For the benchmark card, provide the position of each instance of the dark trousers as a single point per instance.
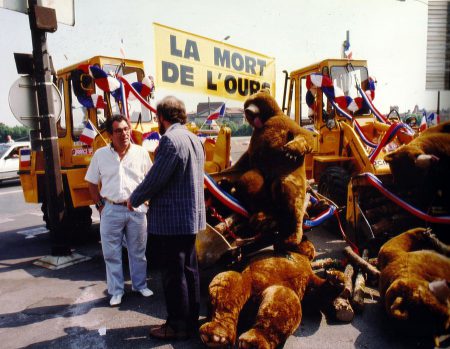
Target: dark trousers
(180, 277)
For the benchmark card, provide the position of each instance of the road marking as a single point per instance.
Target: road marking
(4, 220)
(32, 233)
(11, 192)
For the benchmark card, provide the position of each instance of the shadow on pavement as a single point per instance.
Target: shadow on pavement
(130, 337)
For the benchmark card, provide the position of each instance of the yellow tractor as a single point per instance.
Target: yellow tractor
(334, 100)
(83, 101)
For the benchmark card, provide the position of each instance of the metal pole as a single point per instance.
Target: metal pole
(438, 103)
(54, 195)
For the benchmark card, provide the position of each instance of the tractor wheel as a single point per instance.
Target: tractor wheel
(333, 184)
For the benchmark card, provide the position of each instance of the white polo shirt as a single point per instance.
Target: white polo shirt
(119, 178)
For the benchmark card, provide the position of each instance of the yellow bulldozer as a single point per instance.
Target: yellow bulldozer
(84, 101)
(334, 100)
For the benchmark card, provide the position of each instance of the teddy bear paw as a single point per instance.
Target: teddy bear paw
(296, 149)
(214, 335)
(253, 339)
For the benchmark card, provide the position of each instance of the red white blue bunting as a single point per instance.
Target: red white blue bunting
(119, 88)
(335, 94)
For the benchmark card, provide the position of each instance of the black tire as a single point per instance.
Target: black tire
(333, 184)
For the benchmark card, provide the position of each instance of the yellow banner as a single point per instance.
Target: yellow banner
(197, 64)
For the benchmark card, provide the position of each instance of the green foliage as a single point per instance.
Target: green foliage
(239, 130)
(18, 133)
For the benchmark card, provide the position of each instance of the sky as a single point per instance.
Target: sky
(390, 34)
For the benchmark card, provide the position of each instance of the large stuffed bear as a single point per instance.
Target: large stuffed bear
(414, 283)
(423, 166)
(277, 283)
(273, 181)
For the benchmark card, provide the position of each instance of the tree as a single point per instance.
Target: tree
(18, 133)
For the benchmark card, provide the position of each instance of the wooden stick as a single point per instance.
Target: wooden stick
(360, 284)
(373, 272)
(343, 309)
(325, 263)
(348, 288)
(358, 294)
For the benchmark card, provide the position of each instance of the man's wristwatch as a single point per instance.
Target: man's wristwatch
(100, 203)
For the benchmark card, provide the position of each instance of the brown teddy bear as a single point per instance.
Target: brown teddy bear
(273, 181)
(277, 283)
(414, 282)
(423, 166)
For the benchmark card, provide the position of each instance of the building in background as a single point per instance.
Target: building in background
(233, 114)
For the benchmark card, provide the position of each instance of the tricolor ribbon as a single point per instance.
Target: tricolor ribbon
(225, 198)
(128, 88)
(387, 138)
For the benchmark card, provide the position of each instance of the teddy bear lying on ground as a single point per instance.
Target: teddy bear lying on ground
(414, 282)
(277, 283)
(273, 181)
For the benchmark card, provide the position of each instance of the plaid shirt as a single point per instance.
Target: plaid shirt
(174, 185)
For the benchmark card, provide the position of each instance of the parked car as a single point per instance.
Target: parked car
(9, 159)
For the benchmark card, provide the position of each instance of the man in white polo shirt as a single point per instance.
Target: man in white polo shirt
(119, 168)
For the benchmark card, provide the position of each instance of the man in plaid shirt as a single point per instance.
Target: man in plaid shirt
(174, 188)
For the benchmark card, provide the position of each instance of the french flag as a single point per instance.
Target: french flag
(219, 112)
(433, 119)
(423, 124)
(25, 157)
(88, 134)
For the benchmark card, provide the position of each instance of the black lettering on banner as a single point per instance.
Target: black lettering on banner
(237, 61)
(262, 65)
(230, 84)
(187, 77)
(191, 50)
(209, 78)
(173, 47)
(169, 72)
(250, 64)
(254, 86)
(243, 86)
(221, 59)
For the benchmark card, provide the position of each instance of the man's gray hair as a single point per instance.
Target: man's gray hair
(172, 110)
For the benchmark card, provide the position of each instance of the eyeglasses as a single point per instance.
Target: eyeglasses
(119, 131)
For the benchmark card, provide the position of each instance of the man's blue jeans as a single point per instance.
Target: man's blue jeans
(116, 222)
